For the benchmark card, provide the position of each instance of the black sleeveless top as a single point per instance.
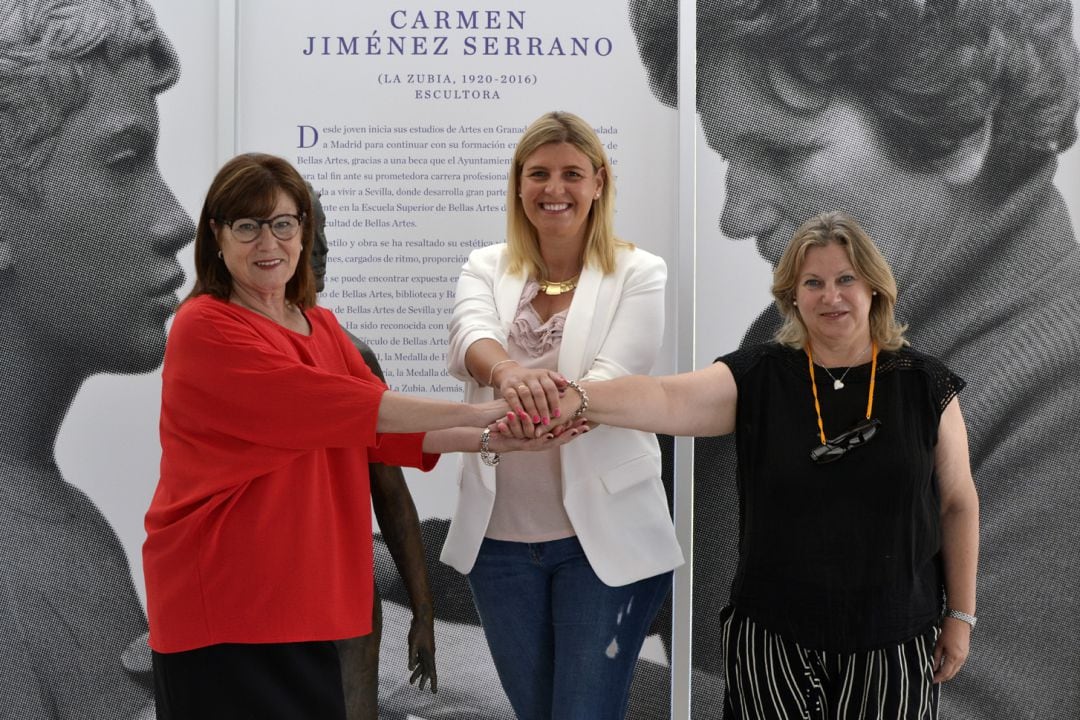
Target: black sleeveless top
(844, 556)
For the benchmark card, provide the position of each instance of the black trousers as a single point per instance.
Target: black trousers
(286, 681)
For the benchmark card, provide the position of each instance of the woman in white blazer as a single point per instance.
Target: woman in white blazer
(569, 553)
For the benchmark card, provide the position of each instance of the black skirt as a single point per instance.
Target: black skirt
(290, 681)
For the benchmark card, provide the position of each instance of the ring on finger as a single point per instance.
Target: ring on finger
(523, 388)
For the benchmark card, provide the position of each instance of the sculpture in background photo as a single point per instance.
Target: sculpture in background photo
(399, 532)
(938, 126)
(88, 275)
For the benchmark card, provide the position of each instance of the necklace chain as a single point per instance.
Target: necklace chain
(838, 382)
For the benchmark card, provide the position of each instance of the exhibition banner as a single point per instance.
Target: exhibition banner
(404, 118)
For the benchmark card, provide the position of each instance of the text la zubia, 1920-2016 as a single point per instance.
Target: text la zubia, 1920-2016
(439, 79)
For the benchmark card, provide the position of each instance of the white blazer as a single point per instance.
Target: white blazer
(612, 489)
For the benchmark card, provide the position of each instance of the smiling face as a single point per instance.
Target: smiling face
(832, 299)
(786, 164)
(94, 268)
(558, 187)
(261, 267)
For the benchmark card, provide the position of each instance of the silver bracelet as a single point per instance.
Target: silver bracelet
(584, 400)
(491, 459)
(962, 616)
(491, 372)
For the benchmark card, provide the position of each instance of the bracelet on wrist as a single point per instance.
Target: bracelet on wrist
(491, 459)
(962, 617)
(491, 372)
(584, 399)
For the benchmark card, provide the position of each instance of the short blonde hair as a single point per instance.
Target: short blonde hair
(842, 229)
(522, 240)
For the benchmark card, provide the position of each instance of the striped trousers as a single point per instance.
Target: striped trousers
(769, 678)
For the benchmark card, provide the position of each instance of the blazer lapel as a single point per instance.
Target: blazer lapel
(579, 320)
(507, 293)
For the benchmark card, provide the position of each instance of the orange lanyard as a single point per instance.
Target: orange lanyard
(813, 384)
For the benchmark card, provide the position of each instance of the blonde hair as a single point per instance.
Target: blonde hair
(523, 243)
(842, 229)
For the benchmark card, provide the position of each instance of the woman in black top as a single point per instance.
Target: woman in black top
(855, 590)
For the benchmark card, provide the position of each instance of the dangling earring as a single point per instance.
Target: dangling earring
(220, 255)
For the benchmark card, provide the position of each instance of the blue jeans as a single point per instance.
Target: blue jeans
(564, 643)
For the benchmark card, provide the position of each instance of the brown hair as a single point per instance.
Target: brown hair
(521, 238)
(247, 186)
(868, 262)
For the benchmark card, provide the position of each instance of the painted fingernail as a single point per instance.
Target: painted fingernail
(558, 413)
(547, 421)
(524, 415)
(510, 415)
(536, 419)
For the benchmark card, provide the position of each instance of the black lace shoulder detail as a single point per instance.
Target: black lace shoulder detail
(944, 383)
(741, 361)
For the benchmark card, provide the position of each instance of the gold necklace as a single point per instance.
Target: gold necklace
(549, 287)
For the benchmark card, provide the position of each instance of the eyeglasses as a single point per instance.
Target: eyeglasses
(283, 227)
(836, 448)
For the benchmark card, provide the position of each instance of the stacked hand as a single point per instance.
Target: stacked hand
(541, 405)
(531, 393)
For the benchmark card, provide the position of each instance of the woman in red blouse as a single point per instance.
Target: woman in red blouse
(258, 552)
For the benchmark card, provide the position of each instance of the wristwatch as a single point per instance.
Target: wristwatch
(962, 616)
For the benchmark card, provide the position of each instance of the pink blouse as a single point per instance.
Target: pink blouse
(529, 489)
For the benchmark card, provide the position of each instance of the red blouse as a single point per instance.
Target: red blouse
(260, 527)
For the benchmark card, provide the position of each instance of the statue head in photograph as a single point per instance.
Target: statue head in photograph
(321, 248)
(89, 233)
(91, 230)
(897, 111)
(938, 125)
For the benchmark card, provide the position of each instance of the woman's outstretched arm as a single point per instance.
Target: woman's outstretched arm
(699, 403)
(401, 413)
